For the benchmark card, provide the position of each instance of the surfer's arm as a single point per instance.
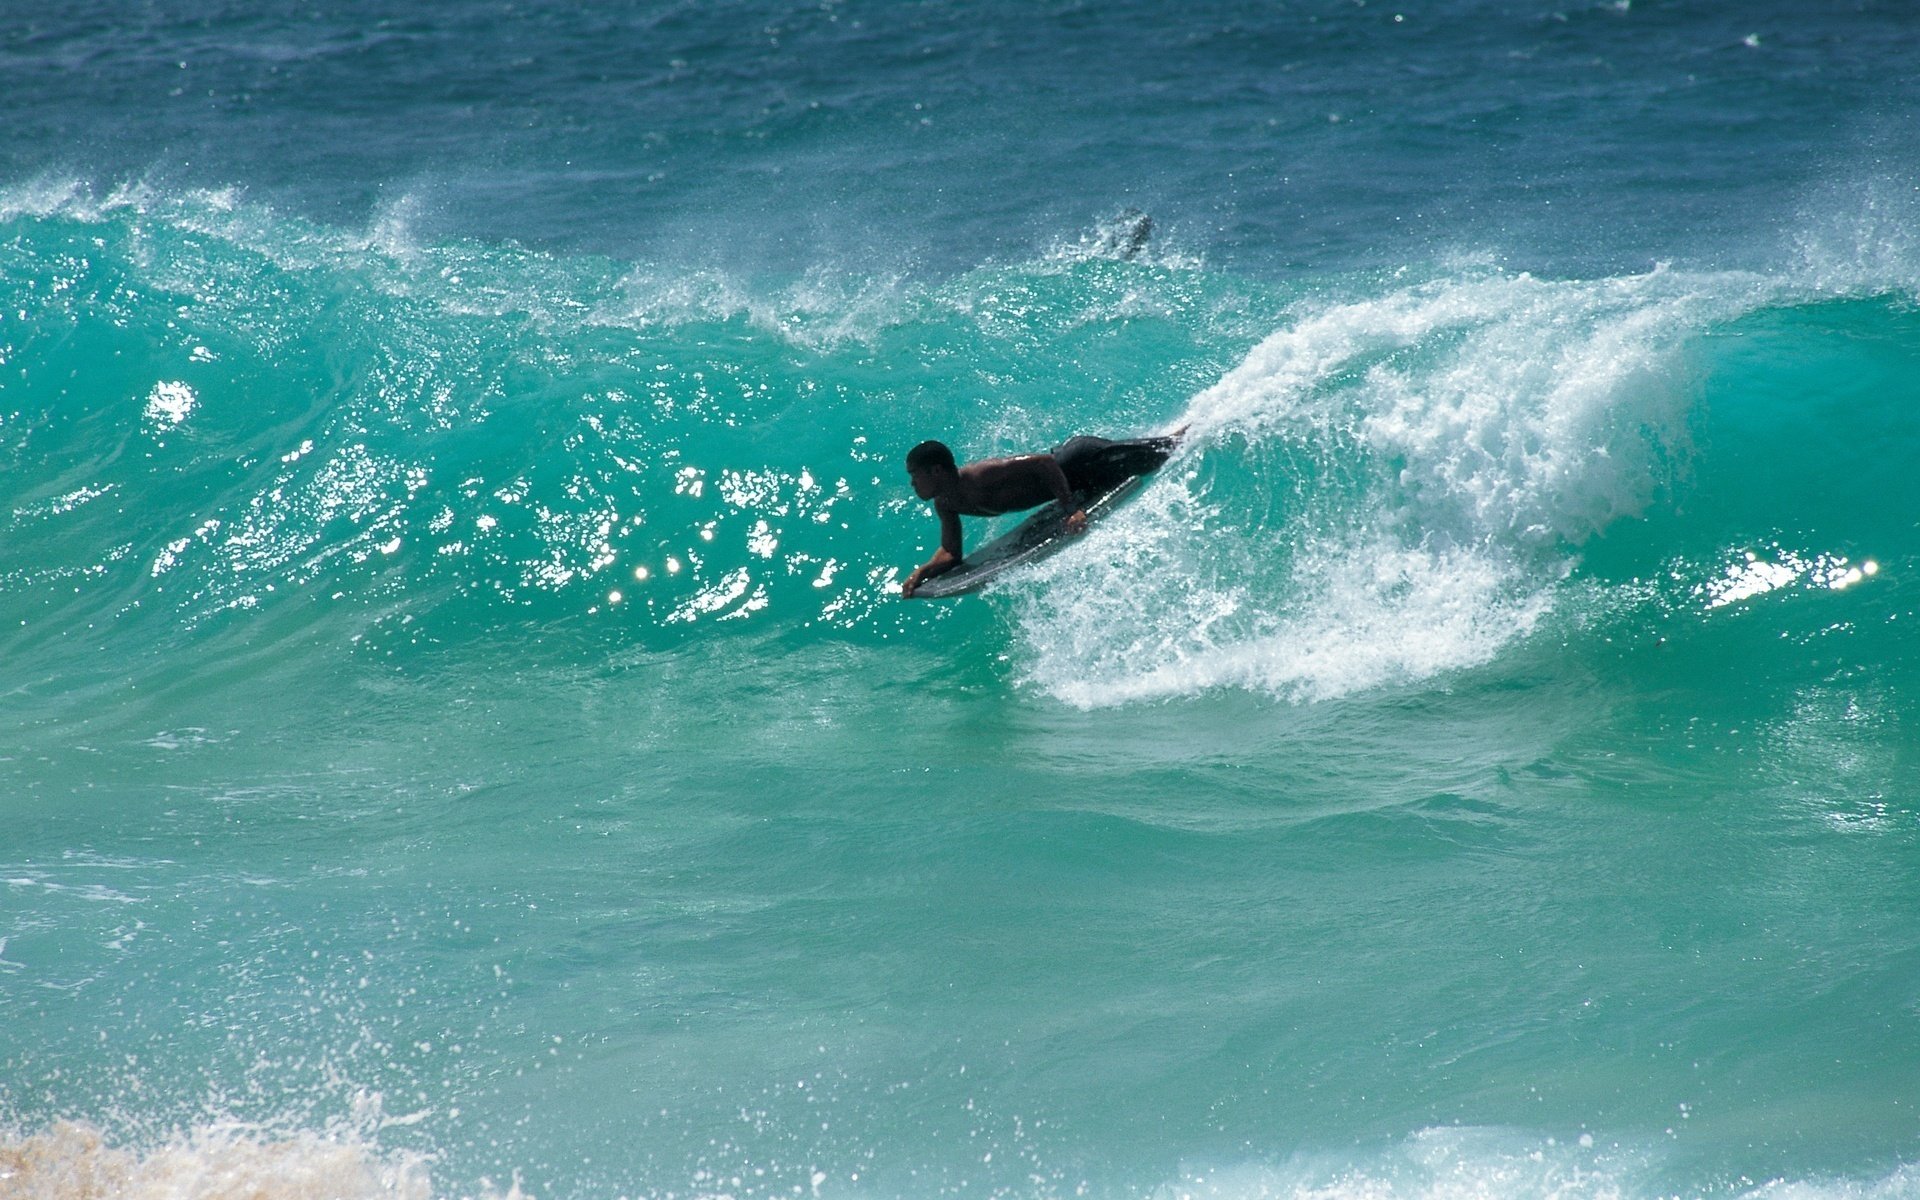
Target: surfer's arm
(1063, 492)
(945, 559)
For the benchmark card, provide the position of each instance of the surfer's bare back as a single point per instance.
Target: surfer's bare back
(981, 489)
(994, 486)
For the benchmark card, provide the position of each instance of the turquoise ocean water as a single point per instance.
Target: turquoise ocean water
(459, 733)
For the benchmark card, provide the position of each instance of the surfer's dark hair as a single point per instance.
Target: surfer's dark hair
(930, 454)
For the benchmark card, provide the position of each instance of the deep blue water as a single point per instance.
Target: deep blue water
(459, 730)
(1275, 138)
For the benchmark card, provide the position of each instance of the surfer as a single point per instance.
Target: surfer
(1079, 466)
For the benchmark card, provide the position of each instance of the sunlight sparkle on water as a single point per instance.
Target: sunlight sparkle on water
(1756, 576)
(170, 403)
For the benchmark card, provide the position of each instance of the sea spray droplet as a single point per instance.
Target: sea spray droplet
(169, 403)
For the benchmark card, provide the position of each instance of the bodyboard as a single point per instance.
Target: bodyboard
(1039, 536)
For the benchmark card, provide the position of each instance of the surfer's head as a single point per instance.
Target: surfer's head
(931, 466)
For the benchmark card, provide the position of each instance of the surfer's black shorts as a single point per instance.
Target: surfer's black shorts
(1094, 464)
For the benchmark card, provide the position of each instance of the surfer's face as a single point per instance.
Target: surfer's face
(929, 482)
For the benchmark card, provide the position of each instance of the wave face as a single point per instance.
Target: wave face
(221, 411)
(391, 448)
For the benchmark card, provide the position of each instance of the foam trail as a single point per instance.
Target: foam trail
(1454, 1163)
(1491, 1163)
(1386, 489)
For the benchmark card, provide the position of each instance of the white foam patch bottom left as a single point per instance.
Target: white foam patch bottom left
(72, 1160)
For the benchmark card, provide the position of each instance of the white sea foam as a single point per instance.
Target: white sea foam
(1452, 1163)
(1385, 489)
(41, 197)
(72, 1160)
(1861, 236)
(1490, 1163)
(75, 1161)
(223, 1158)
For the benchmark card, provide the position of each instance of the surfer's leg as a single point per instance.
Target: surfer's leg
(1076, 448)
(1150, 453)
(1080, 459)
(1094, 464)
(1141, 456)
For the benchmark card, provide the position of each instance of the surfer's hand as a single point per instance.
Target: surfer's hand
(1077, 523)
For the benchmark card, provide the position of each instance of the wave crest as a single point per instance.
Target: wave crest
(1386, 488)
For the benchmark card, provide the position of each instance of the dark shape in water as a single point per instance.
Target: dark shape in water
(1125, 236)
